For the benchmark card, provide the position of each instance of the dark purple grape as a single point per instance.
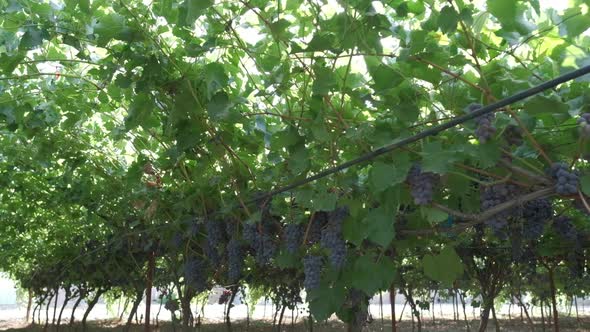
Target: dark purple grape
(421, 184)
(195, 274)
(564, 227)
(513, 135)
(567, 181)
(266, 249)
(293, 235)
(235, 260)
(536, 214)
(495, 195)
(319, 220)
(312, 268)
(333, 240)
(485, 129)
(250, 233)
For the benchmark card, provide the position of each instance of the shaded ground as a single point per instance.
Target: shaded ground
(566, 325)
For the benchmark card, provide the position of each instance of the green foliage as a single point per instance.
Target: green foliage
(125, 126)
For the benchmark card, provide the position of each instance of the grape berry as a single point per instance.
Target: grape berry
(312, 268)
(421, 184)
(485, 129)
(567, 181)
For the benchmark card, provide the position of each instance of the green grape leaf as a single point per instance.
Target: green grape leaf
(215, 78)
(219, 107)
(326, 300)
(437, 160)
(380, 225)
(448, 19)
(370, 275)
(445, 267)
(196, 8)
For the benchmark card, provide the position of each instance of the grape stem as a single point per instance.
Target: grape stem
(584, 202)
(524, 172)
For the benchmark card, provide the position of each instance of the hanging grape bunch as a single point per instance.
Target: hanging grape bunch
(421, 184)
(584, 123)
(332, 238)
(262, 242)
(495, 195)
(177, 241)
(564, 227)
(215, 238)
(513, 135)
(535, 214)
(235, 259)
(195, 273)
(312, 269)
(293, 235)
(318, 222)
(567, 181)
(485, 129)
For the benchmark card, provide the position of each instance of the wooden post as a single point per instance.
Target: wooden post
(553, 299)
(148, 290)
(30, 303)
(392, 302)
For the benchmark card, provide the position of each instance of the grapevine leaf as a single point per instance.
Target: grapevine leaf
(437, 160)
(381, 176)
(195, 8)
(326, 300)
(444, 267)
(434, 215)
(380, 226)
(370, 275)
(215, 78)
(219, 107)
(448, 19)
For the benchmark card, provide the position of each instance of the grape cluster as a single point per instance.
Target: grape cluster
(513, 135)
(318, 222)
(235, 260)
(194, 229)
(485, 129)
(312, 268)
(265, 249)
(214, 231)
(421, 184)
(195, 274)
(535, 214)
(250, 233)
(262, 243)
(212, 253)
(332, 237)
(495, 195)
(177, 240)
(567, 181)
(293, 234)
(584, 122)
(575, 262)
(215, 237)
(564, 227)
(230, 227)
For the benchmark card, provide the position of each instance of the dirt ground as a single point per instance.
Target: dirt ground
(566, 325)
